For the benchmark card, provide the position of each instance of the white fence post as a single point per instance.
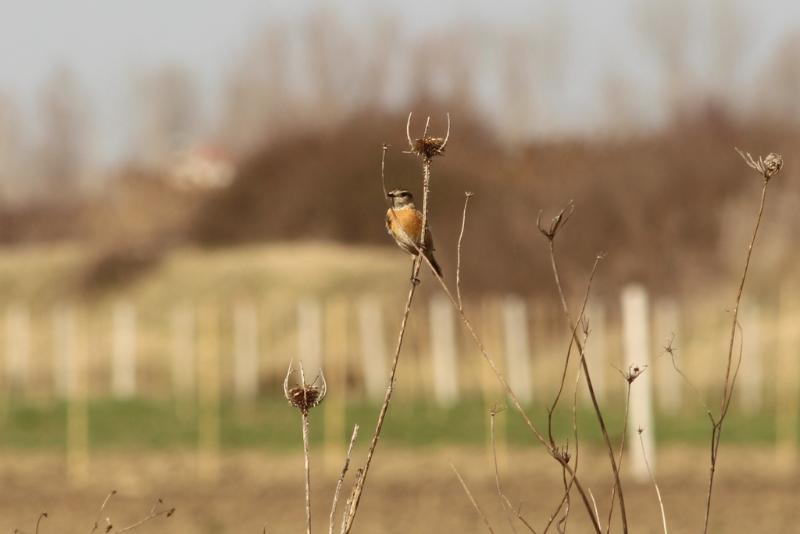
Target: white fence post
(517, 345)
(309, 335)
(373, 347)
(443, 345)
(184, 365)
(63, 342)
(123, 368)
(636, 333)
(17, 346)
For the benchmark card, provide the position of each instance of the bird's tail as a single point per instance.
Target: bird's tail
(435, 265)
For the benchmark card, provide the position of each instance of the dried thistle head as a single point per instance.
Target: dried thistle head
(305, 396)
(427, 147)
(768, 167)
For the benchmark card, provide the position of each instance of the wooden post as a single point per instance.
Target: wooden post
(17, 347)
(443, 345)
(184, 366)
(517, 345)
(373, 347)
(246, 372)
(208, 392)
(77, 406)
(123, 367)
(63, 341)
(636, 334)
(668, 331)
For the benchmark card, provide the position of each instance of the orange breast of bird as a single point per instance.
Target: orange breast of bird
(411, 221)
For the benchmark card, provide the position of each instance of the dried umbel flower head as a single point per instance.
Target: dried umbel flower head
(768, 167)
(634, 371)
(305, 396)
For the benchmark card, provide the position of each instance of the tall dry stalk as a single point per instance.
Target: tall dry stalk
(767, 168)
(427, 148)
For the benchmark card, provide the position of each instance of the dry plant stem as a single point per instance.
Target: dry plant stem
(650, 472)
(518, 515)
(349, 504)
(341, 478)
(621, 452)
(551, 450)
(494, 412)
(730, 379)
(100, 513)
(568, 487)
(308, 471)
(153, 514)
(43, 514)
(592, 394)
(458, 255)
(573, 338)
(304, 415)
(472, 499)
(355, 496)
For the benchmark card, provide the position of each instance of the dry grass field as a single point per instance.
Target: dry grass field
(408, 491)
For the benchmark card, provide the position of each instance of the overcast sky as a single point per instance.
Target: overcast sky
(106, 41)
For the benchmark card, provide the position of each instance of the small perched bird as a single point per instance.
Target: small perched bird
(403, 215)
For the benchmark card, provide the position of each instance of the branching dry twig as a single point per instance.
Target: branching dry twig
(153, 515)
(767, 167)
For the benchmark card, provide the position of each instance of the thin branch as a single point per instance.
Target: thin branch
(153, 514)
(658, 492)
(768, 168)
(472, 499)
(341, 479)
(550, 449)
(458, 256)
(494, 411)
(99, 514)
(43, 514)
(517, 514)
(555, 226)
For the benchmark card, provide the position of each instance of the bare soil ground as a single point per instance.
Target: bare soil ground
(407, 491)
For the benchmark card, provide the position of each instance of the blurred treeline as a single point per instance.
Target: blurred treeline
(305, 109)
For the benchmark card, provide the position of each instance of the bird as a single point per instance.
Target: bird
(404, 224)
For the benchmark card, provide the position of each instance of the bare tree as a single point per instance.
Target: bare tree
(258, 94)
(666, 29)
(168, 101)
(64, 149)
(11, 182)
(778, 99)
